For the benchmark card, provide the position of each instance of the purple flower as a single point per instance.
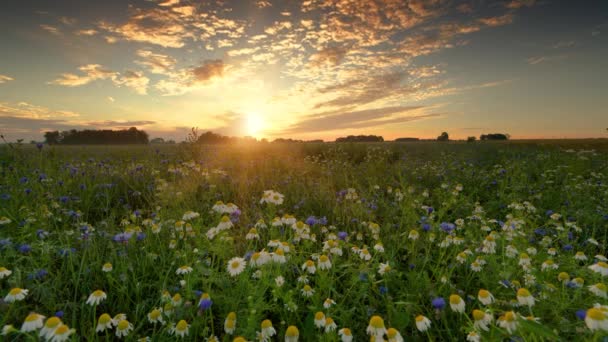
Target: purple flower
(581, 314)
(311, 221)
(447, 227)
(205, 304)
(342, 235)
(25, 248)
(59, 314)
(438, 303)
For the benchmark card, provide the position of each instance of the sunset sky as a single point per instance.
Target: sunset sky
(306, 69)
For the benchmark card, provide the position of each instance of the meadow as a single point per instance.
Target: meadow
(309, 242)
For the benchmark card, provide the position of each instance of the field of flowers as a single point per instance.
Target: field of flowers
(305, 242)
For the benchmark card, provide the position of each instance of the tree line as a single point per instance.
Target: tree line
(97, 137)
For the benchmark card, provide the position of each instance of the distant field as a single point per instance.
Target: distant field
(407, 232)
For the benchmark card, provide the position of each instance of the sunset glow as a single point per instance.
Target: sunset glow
(305, 69)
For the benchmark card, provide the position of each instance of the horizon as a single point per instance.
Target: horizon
(305, 70)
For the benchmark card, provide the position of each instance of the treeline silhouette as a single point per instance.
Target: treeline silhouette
(360, 138)
(97, 137)
(494, 136)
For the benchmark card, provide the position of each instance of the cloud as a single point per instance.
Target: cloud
(87, 32)
(135, 80)
(208, 70)
(112, 123)
(167, 3)
(29, 111)
(263, 3)
(359, 119)
(515, 4)
(51, 29)
(544, 59)
(91, 72)
(497, 21)
(564, 44)
(363, 91)
(110, 99)
(155, 62)
(331, 55)
(4, 78)
(132, 79)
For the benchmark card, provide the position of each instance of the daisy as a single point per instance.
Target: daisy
(49, 326)
(600, 267)
(482, 320)
(364, 254)
(485, 297)
(330, 325)
(549, 265)
(32, 322)
(394, 335)
(473, 337)
(279, 281)
(96, 297)
(324, 262)
(413, 235)
(189, 215)
(456, 303)
(230, 323)
(279, 256)
(383, 268)
(7, 329)
(328, 303)
(236, 265)
(563, 277)
(176, 300)
(183, 270)
(599, 290)
(309, 266)
(15, 294)
(267, 329)
(62, 333)
(155, 316)
(118, 318)
(292, 334)
(307, 291)
(123, 328)
(107, 267)
(345, 334)
(379, 247)
(524, 297)
(4, 272)
(320, 320)
(104, 322)
(476, 266)
(376, 327)
(252, 235)
(422, 323)
(239, 339)
(180, 329)
(508, 321)
(596, 318)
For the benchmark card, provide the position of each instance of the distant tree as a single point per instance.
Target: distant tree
(407, 139)
(360, 138)
(443, 137)
(52, 138)
(157, 141)
(471, 139)
(494, 136)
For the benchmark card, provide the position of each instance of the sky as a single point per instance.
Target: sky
(305, 69)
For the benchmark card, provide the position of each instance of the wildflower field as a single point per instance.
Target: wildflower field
(305, 242)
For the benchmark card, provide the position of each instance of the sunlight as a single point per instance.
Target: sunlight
(254, 124)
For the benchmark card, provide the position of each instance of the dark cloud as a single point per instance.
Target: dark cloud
(208, 70)
(363, 91)
(332, 55)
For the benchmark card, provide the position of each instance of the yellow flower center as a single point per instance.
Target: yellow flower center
(323, 258)
(523, 292)
(455, 299)
(235, 264)
(478, 315)
(391, 332)
(596, 314)
(292, 331)
(600, 286)
(419, 318)
(104, 319)
(225, 218)
(376, 322)
(62, 329)
(232, 316)
(509, 316)
(484, 293)
(98, 293)
(602, 264)
(239, 339)
(307, 288)
(319, 316)
(181, 325)
(155, 314)
(266, 324)
(31, 317)
(329, 321)
(15, 291)
(309, 263)
(279, 252)
(52, 322)
(122, 325)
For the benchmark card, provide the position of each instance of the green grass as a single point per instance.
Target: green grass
(82, 196)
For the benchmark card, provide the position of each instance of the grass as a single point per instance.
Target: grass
(65, 206)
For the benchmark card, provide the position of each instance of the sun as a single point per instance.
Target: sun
(254, 124)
